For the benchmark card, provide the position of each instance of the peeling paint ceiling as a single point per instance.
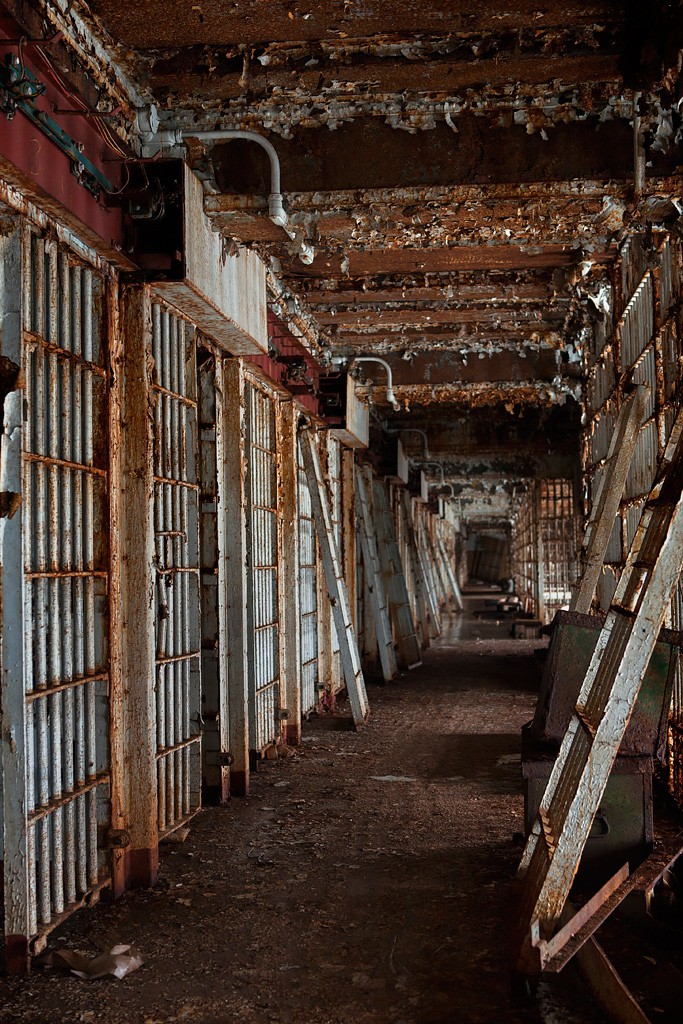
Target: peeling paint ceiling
(466, 173)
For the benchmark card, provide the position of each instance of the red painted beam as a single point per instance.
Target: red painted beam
(28, 156)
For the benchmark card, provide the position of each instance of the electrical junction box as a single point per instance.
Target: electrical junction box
(172, 241)
(395, 463)
(346, 415)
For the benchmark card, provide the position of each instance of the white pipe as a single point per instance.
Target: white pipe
(412, 430)
(443, 482)
(390, 380)
(276, 209)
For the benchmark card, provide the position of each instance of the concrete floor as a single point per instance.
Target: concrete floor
(335, 895)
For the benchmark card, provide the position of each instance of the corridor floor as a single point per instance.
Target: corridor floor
(367, 879)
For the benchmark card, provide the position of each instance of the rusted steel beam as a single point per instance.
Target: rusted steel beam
(362, 321)
(527, 393)
(465, 199)
(388, 76)
(450, 369)
(441, 260)
(335, 292)
(152, 27)
(134, 457)
(369, 154)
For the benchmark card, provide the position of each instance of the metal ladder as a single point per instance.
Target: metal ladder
(336, 588)
(427, 612)
(604, 707)
(608, 495)
(441, 593)
(378, 601)
(450, 574)
(392, 571)
(429, 575)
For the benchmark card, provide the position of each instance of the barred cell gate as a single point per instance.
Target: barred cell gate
(176, 527)
(334, 480)
(308, 591)
(263, 620)
(55, 601)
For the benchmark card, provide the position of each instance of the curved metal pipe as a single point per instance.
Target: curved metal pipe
(276, 209)
(443, 482)
(391, 397)
(411, 430)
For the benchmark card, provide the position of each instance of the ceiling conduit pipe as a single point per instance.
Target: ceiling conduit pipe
(412, 430)
(276, 209)
(443, 482)
(391, 397)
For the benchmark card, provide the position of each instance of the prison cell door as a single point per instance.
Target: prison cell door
(56, 685)
(308, 591)
(334, 483)
(176, 529)
(262, 575)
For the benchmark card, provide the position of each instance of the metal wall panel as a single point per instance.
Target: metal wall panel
(66, 577)
(262, 577)
(308, 591)
(176, 527)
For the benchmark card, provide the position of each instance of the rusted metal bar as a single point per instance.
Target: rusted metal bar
(578, 928)
(35, 341)
(71, 684)
(136, 467)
